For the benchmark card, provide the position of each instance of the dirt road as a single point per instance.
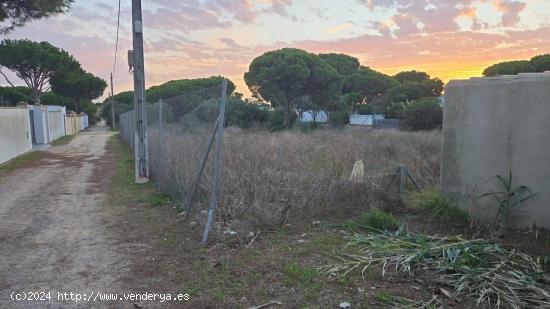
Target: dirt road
(53, 235)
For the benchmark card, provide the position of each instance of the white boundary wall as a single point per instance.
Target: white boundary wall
(56, 122)
(364, 120)
(15, 133)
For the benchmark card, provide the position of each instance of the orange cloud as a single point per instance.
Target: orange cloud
(510, 10)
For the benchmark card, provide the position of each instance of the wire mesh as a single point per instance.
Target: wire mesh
(181, 132)
(269, 179)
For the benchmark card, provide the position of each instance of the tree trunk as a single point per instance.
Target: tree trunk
(286, 113)
(314, 115)
(35, 96)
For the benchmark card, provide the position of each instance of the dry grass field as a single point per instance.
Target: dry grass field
(290, 201)
(270, 179)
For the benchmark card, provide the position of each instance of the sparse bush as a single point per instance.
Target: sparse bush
(433, 203)
(377, 219)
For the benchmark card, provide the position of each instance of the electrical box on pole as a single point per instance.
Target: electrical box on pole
(140, 114)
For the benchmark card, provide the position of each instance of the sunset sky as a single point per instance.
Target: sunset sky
(448, 39)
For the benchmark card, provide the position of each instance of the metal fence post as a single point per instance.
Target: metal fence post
(203, 164)
(401, 179)
(217, 164)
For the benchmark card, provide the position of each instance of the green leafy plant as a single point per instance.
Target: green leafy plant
(509, 199)
(433, 203)
(377, 219)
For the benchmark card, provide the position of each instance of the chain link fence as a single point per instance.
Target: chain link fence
(184, 144)
(262, 180)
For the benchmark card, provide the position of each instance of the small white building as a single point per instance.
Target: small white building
(321, 117)
(364, 120)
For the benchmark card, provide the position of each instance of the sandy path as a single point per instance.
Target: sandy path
(53, 234)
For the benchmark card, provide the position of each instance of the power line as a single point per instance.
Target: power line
(117, 32)
(113, 119)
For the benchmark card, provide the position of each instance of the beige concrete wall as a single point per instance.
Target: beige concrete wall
(72, 123)
(15, 133)
(490, 124)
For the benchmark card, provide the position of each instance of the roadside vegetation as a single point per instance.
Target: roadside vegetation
(371, 250)
(20, 161)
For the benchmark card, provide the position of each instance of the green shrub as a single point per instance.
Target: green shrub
(433, 203)
(244, 115)
(424, 114)
(339, 118)
(377, 219)
(305, 126)
(275, 120)
(90, 109)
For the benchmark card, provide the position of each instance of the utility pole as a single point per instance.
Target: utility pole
(113, 119)
(140, 116)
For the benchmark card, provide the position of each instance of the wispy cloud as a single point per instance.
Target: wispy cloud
(339, 28)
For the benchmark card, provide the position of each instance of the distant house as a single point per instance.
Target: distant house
(321, 117)
(364, 120)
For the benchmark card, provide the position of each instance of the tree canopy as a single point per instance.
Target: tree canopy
(412, 76)
(344, 64)
(538, 63)
(125, 97)
(286, 76)
(177, 87)
(362, 86)
(509, 68)
(78, 85)
(125, 100)
(35, 63)
(541, 62)
(13, 95)
(414, 85)
(52, 98)
(15, 13)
